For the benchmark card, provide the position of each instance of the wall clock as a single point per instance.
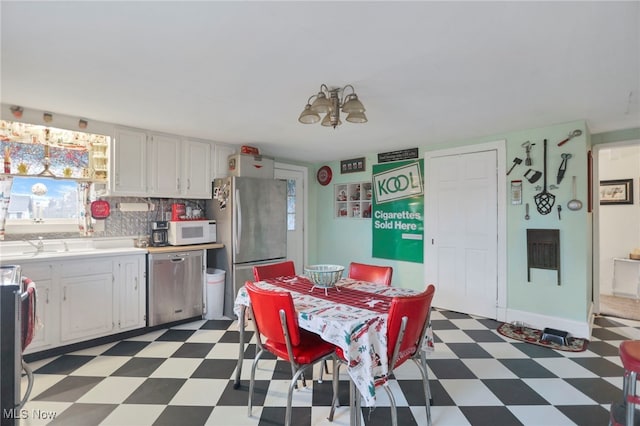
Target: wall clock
(324, 175)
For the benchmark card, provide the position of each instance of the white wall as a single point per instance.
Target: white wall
(619, 224)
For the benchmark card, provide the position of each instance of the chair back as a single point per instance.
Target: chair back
(406, 325)
(371, 273)
(282, 269)
(266, 306)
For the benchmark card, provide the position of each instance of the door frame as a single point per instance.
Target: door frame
(595, 211)
(305, 216)
(500, 147)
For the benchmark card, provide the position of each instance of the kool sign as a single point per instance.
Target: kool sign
(398, 210)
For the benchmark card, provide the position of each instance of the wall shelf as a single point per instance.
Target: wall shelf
(352, 200)
(75, 179)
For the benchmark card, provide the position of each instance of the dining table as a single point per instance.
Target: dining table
(351, 315)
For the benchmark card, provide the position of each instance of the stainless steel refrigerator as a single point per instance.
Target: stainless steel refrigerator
(251, 222)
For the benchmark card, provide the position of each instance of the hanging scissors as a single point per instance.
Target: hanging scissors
(563, 167)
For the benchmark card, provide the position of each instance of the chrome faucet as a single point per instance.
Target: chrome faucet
(39, 246)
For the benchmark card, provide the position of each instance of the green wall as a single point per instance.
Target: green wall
(340, 241)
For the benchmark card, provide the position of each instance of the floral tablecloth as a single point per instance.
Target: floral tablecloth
(352, 316)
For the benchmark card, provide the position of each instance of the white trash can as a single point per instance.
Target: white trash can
(215, 293)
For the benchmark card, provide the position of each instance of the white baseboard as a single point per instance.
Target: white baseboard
(539, 321)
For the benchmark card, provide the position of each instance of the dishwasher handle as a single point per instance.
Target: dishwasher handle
(177, 259)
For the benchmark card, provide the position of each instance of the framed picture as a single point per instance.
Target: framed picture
(616, 191)
(353, 165)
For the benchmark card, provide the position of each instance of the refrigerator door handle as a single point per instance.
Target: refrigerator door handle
(237, 209)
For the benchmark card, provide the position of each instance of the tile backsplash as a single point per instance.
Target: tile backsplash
(125, 224)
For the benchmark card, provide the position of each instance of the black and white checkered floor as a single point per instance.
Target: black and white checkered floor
(184, 376)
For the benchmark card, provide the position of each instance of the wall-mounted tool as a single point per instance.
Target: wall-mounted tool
(544, 200)
(563, 167)
(572, 135)
(574, 204)
(527, 149)
(516, 161)
(559, 210)
(533, 175)
(526, 210)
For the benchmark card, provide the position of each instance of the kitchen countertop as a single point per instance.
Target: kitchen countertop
(69, 249)
(169, 249)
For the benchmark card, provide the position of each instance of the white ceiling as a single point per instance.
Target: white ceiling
(241, 72)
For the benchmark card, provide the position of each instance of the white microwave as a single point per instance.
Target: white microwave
(182, 233)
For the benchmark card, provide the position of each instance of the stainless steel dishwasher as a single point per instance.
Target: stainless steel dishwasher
(175, 286)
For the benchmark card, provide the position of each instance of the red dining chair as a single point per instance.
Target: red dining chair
(282, 269)
(406, 330)
(276, 320)
(372, 273)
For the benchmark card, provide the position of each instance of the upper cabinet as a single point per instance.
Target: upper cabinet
(163, 153)
(196, 167)
(129, 165)
(220, 163)
(160, 165)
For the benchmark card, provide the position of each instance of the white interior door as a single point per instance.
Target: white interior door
(461, 232)
(296, 203)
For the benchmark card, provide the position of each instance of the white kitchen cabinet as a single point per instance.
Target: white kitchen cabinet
(132, 292)
(196, 167)
(47, 305)
(79, 300)
(86, 299)
(129, 165)
(159, 165)
(220, 160)
(163, 152)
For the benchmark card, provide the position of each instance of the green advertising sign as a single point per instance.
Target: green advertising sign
(398, 211)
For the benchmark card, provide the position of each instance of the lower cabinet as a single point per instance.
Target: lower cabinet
(79, 300)
(46, 305)
(132, 293)
(87, 300)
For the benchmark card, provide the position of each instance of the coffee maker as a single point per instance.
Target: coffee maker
(160, 233)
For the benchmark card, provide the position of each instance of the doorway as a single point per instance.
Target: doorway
(465, 228)
(296, 211)
(617, 233)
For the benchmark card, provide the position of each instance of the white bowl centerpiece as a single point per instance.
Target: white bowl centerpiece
(324, 276)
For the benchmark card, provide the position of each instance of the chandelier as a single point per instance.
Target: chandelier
(330, 102)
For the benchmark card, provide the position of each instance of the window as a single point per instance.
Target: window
(41, 198)
(48, 165)
(291, 204)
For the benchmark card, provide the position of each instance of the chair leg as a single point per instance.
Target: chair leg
(323, 370)
(630, 393)
(422, 366)
(292, 385)
(394, 411)
(252, 380)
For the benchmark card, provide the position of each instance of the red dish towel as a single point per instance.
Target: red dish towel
(28, 312)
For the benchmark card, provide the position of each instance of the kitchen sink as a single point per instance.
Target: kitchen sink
(14, 251)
